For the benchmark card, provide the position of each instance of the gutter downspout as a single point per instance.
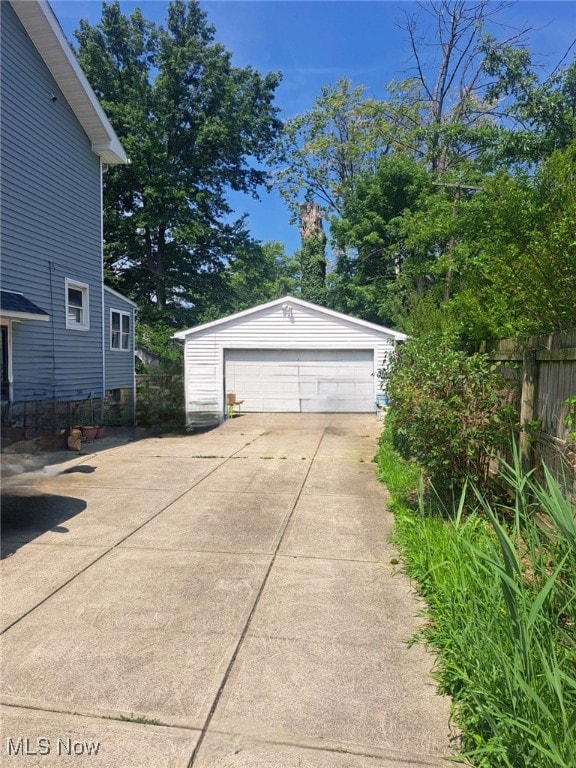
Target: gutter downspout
(102, 290)
(134, 311)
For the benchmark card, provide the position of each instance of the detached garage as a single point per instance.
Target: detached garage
(284, 356)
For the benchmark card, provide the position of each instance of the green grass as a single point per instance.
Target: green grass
(500, 585)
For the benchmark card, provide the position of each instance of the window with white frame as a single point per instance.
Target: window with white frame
(119, 330)
(77, 306)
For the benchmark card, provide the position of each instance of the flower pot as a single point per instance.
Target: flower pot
(89, 433)
(100, 432)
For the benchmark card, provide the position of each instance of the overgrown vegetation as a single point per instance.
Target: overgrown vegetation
(313, 261)
(160, 400)
(499, 581)
(571, 418)
(451, 411)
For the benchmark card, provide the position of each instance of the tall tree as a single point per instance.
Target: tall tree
(259, 273)
(371, 240)
(451, 47)
(543, 112)
(194, 127)
(520, 231)
(322, 151)
(312, 254)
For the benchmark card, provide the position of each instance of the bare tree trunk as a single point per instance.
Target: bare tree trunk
(310, 221)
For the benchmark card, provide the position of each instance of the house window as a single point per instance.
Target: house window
(119, 330)
(77, 307)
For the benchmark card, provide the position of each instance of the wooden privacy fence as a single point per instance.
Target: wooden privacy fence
(542, 372)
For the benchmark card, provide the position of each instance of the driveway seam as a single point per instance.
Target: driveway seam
(94, 716)
(359, 750)
(246, 628)
(118, 543)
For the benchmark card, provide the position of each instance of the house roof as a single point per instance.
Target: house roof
(39, 21)
(120, 296)
(16, 306)
(294, 302)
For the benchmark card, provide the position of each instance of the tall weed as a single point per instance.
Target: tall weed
(500, 583)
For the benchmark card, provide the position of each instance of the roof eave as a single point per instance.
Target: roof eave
(39, 21)
(8, 314)
(114, 292)
(396, 335)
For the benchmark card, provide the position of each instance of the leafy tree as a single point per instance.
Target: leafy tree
(259, 273)
(255, 274)
(442, 114)
(521, 273)
(372, 248)
(194, 127)
(322, 151)
(155, 339)
(544, 113)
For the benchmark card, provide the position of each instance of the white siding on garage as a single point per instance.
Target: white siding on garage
(287, 325)
(301, 380)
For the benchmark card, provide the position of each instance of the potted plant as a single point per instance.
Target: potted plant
(89, 433)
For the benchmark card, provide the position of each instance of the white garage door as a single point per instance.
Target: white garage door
(291, 380)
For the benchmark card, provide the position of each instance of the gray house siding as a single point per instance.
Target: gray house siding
(50, 225)
(119, 368)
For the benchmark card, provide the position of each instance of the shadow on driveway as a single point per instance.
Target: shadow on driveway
(28, 513)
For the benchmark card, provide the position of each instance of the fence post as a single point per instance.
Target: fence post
(528, 407)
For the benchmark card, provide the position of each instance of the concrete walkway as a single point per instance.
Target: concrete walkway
(218, 600)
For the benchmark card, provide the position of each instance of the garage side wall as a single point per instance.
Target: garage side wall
(276, 327)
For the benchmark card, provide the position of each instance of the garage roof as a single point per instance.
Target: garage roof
(42, 26)
(291, 301)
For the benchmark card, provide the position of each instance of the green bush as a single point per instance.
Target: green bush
(160, 401)
(450, 411)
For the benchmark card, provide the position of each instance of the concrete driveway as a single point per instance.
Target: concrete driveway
(216, 600)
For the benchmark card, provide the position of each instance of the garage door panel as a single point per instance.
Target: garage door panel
(308, 388)
(327, 388)
(313, 381)
(280, 405)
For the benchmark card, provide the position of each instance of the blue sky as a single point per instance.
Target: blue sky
(316, 43)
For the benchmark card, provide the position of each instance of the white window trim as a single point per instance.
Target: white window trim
(121, 312)
(85, 326)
